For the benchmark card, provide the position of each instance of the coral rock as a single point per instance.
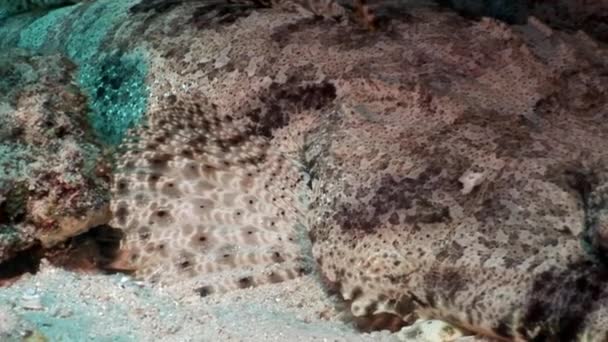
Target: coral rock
(48, 156)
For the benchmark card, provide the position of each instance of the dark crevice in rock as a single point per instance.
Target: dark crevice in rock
(156, 6)
(94, 250)
(12, 207)
(378, 322)
(565, 15)
(26, 261)
(509, 11)
(573, 15)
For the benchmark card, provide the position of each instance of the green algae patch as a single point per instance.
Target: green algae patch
(35, 35)
(92, 26)
(115, 82)
(117, 91)
(15, 160)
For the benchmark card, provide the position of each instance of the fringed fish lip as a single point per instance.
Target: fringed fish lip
(121, 263)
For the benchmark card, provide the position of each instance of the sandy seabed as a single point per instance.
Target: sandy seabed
(66, 306)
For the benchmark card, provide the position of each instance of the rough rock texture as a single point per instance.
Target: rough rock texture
(51, 187)
(444, 168)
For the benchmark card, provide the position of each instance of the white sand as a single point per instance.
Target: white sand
(65, 306)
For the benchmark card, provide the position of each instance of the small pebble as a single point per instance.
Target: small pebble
(31, 301)
(429, 331)
(62, 312)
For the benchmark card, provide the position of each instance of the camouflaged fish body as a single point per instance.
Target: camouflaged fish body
(204, 201)
(448, 171)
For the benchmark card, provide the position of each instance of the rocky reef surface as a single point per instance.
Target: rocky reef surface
(439, 168)
(52, 185)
